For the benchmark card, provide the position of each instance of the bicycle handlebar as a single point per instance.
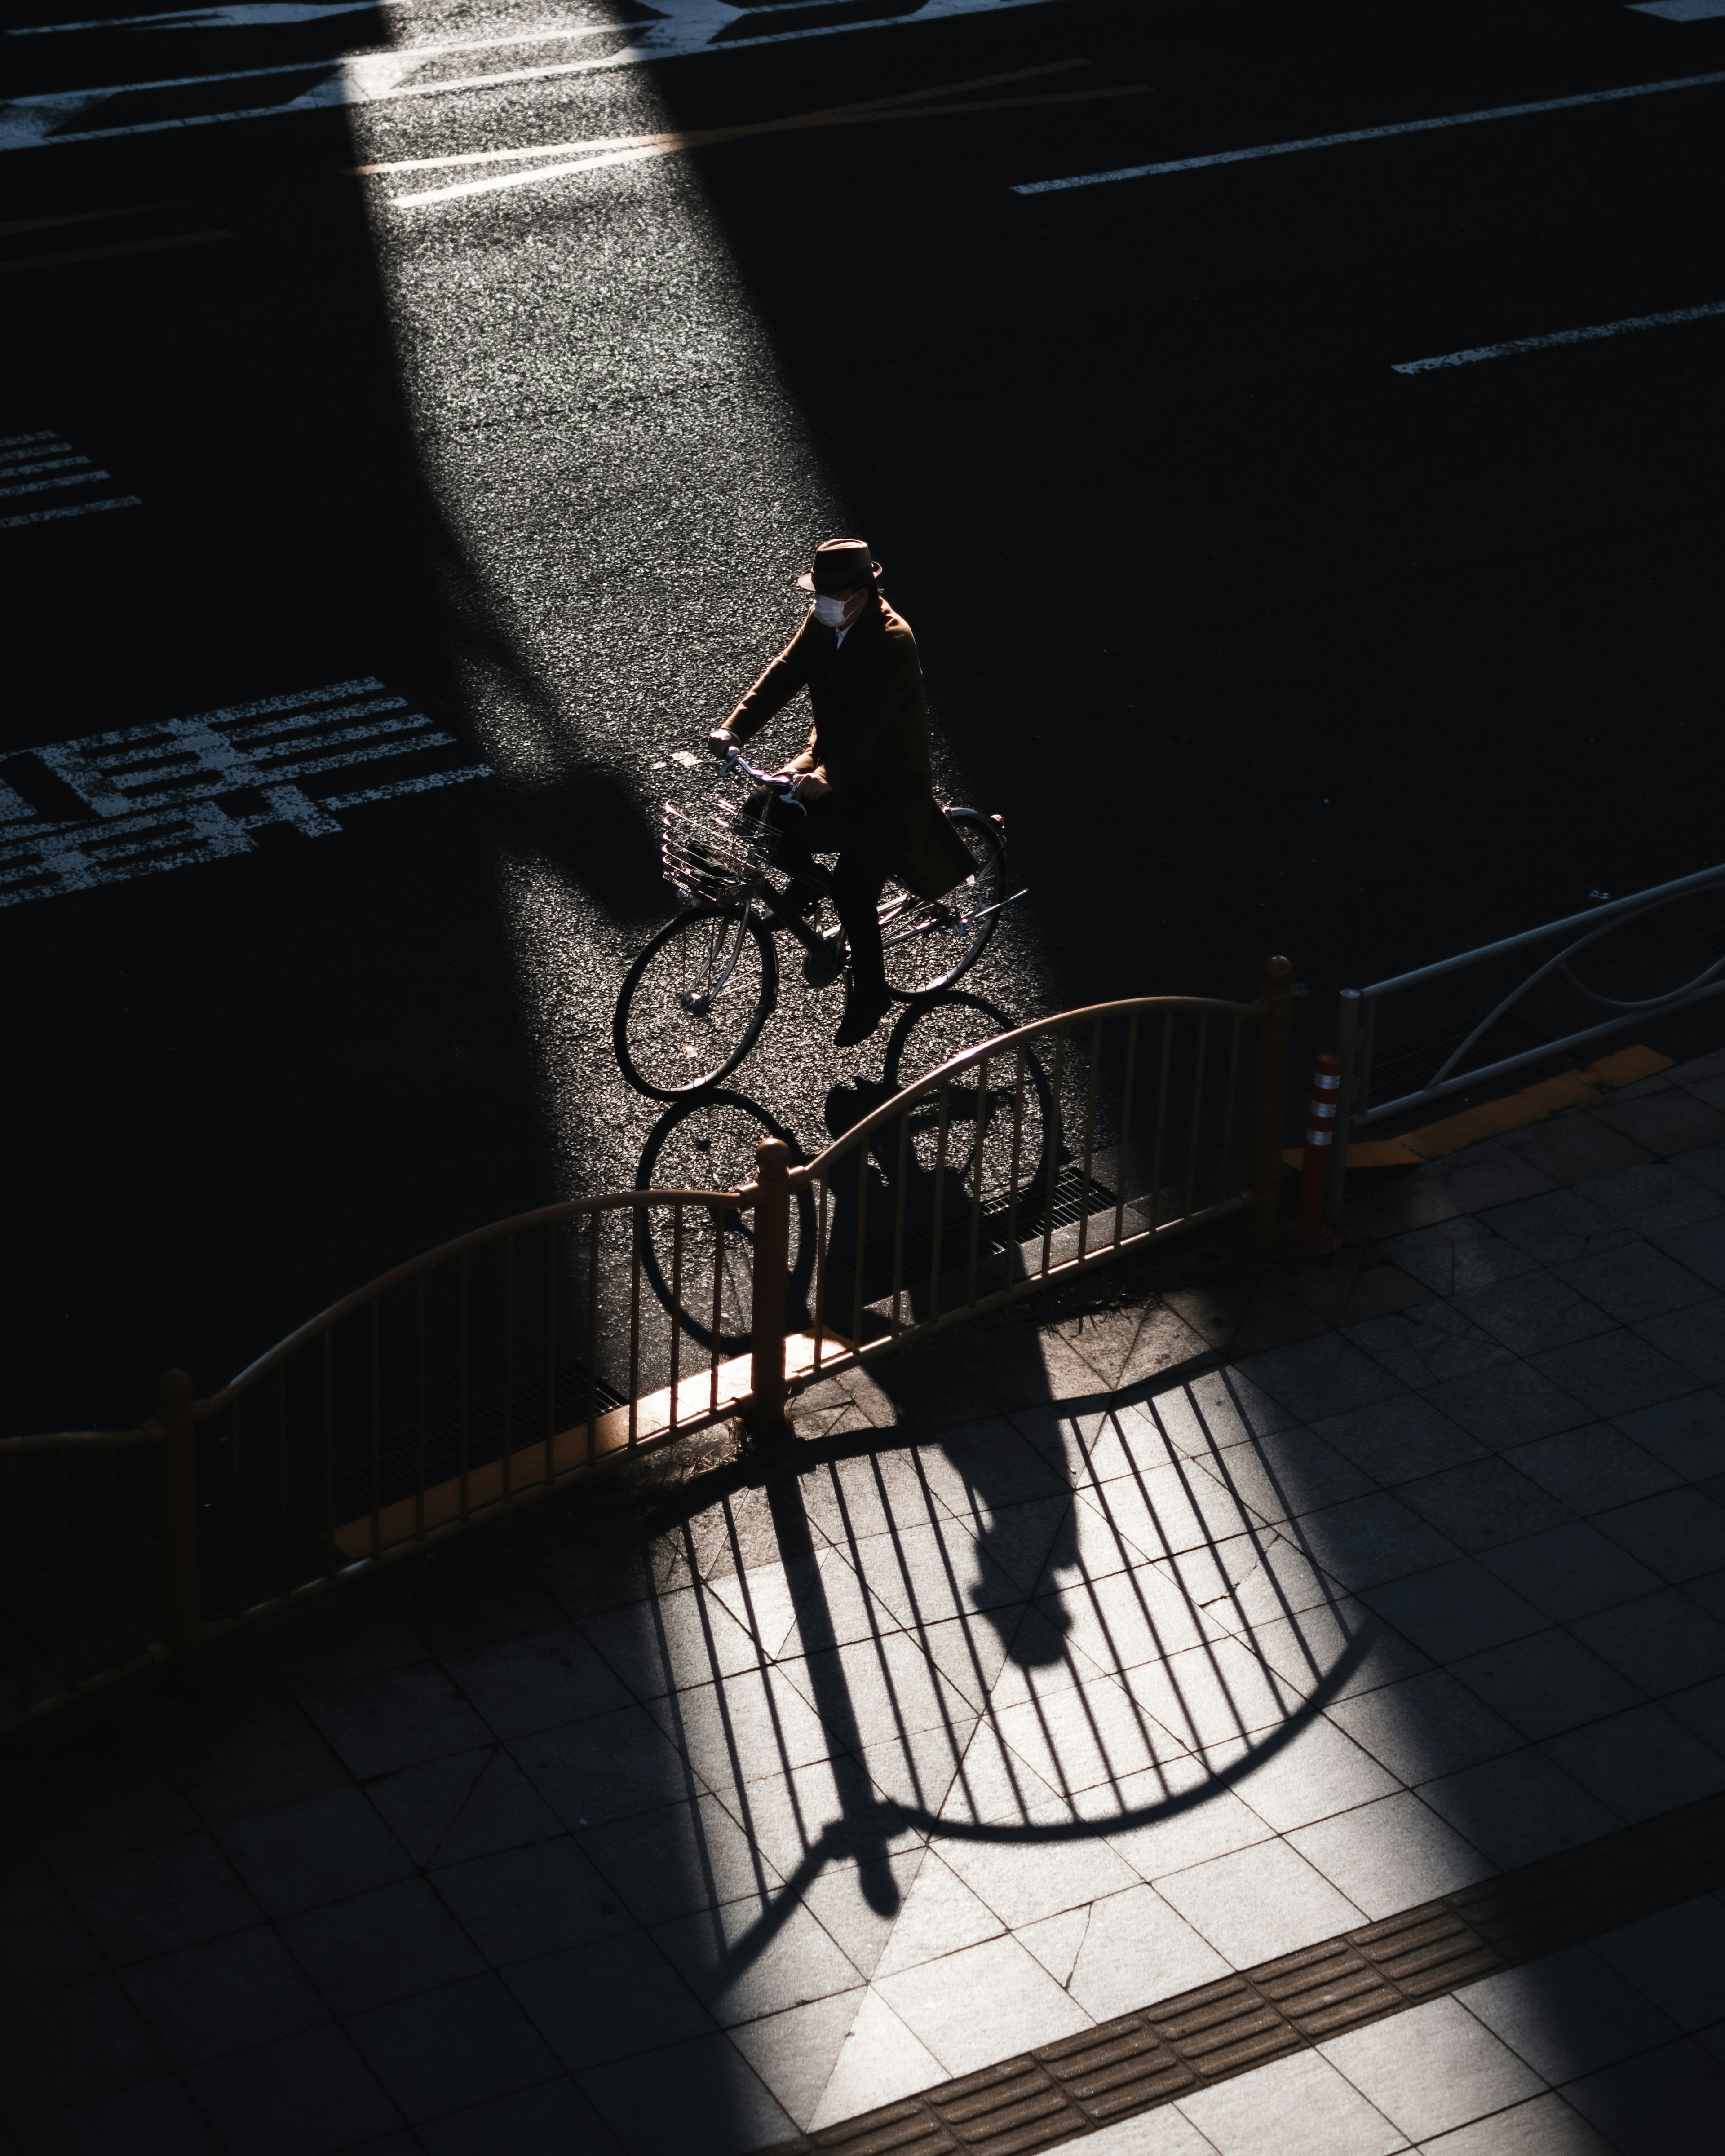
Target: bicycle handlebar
(735, 760)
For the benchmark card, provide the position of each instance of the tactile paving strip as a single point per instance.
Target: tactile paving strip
(1227, 2028)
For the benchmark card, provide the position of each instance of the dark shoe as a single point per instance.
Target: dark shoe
(826, 961)
(862, 1014)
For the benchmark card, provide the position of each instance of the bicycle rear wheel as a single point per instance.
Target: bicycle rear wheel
(693, 1002)
(929, 944)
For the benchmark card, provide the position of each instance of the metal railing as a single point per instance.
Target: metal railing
(1482, 1016)
(528, 1354)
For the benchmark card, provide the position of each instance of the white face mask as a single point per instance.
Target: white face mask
(828, 612)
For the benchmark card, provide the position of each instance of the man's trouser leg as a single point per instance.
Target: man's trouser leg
(858, 876)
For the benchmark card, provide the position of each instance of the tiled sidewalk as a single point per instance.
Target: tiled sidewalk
(1052, 1674)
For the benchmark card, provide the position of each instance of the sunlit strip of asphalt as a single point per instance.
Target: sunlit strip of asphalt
(374, 78)
(1366, 135)
(1560, 336)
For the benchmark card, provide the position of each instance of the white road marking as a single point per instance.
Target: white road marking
(248, 14)
(686, 27)
(14, 443)
(1679, 10)
(77, 508)
(173, 794)
(1560, 336)
(41, 464)
(43, 485)
(1366, 135)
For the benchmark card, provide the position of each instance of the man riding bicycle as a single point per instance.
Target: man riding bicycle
(863, 788)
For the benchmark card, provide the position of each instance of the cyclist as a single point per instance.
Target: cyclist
(863, 786)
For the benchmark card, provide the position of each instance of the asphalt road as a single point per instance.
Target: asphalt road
(1257, 643)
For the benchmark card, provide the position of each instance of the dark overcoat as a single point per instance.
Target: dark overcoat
(869, 739)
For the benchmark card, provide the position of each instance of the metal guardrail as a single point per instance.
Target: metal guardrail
(1490, 1031)
(533, 1352)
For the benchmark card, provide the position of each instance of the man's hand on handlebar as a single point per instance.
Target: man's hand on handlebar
(806, 786)
(721, 741)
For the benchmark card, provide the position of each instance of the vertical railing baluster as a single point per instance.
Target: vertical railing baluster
(715, 1344)
(464, 1379)
(1018, 1154)
(634, 1322)
(1052, 1180)
(676, 1305)
(375, 1390)
(898, 1219)
(1162, 1081)
(550, 1345)
(1089, 1139)
(1204, 1028)
(1228, 1107)
(976, 1184)
(820, 1274)
(508, 1475)
(418, 1406)
(1126, 1127)
(940, 1194)
(593, 1335)
(862, 1221)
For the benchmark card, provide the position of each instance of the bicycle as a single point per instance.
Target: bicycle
(693, 1003)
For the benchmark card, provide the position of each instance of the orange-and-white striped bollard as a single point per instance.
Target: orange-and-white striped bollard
(1311, 1237)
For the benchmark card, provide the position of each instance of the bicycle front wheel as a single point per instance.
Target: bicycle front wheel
(929, 944)
(695, 1001)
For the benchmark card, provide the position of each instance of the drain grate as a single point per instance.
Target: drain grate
(1146, 2059)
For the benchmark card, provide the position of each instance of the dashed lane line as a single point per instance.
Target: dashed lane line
(24, 457)
(76, 509)
(1367, 134)
(1629, 324)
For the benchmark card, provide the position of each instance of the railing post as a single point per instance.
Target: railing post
(1275, 1005)
(1347, 1048)
(180, 1627)
(765, 1417)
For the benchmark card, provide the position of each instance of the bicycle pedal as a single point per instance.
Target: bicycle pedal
(823, 966)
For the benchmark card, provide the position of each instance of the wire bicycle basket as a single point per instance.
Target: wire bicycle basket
(719, 855)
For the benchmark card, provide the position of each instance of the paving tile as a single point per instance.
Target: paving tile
(1322, 1377)
(1021, 1881)
(1544, 2125)
(1259, 1903)
(861, 1904)
(924, 1575)
(1568, 1571)
(1483, 1504)
(157, 2119)
(1218, 1408)
(46, 1944)
(1669, 2099)
(466, 1805)
(1519, 1808)
(1594, 1467)
(1455, 1256)
(1680, 1535)
(608, 2000)
(166, 1895)
(1127, 1618)
(1317, 1771)
(1135, 1949)
(1702, 1710)
(678, 1858)
(552, 2118)
(940, 1914)
(1640, 1763)
(1676, 1958)
(1164, 1822)
(1705, 1166)
(301, 2097)
(609, 1766)
(1633, 1282)
(1164, 2132)
(1309, 1649)
(878, 2062)
(1162, 1513)
(1688, 1434)
(250, 1762)
(1652, 1201)
(1424, 1346)
(1695, 1337)
(224, 1996)
(1433, 2068)
(1370, 1539)
(1280, 1477)
(1614, 1373)
(877, 1689)
(975, 1472)
(698, 2095)
(1424, 1726)
(321, 1850)
(444, 2050)
(795, 2052)
(1534, 1312)
(743, 1961)
(398, 1717)
(1315, 2111)
(686, 1636)
(526, 1901)
(538, 1682)
(982, 2004)
(1560, 1228)
(1707, 1592)
(1551, 1681)
(1255, 1579)
(1510, 1405)
(1567, 2014)
(1667, 1122)
(1662, 1642)
(1394, 1440)
(84, 2040)
(1454, 1608)
(478, 1593)
(1391, 1854)
(1574, 1149)
(379, 1946)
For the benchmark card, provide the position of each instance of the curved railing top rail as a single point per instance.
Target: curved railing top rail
(1092, 1013)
